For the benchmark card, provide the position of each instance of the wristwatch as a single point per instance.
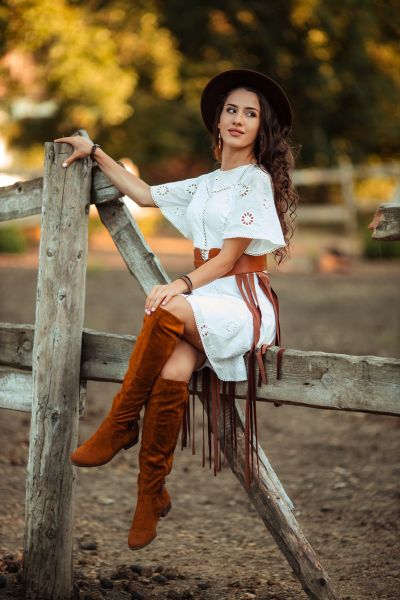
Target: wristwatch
(93, 150)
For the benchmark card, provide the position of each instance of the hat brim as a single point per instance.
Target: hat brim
(227, 80)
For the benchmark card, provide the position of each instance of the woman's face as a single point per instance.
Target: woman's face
(241, 111)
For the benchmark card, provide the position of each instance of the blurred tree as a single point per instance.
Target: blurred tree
(67, 65)
(132, 73)
(340, 64)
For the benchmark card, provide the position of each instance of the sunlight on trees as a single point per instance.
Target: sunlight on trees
(132, 73)
(81, 62)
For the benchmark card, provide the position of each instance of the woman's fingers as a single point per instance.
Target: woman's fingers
(71, 158)
(149, 302)
(68, 140)
(81, 146)
(157, 294)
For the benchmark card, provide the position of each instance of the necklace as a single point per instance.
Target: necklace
(205, 251)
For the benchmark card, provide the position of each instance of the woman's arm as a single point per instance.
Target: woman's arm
(231, 250)
(125, 182)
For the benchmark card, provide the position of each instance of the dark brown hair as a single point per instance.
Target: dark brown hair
(273, 152)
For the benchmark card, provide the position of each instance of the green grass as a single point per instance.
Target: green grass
(13, 240)
(374, 249)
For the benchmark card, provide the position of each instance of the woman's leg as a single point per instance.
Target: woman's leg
(187, 357)
(161, 425)
(184, 359)
(161, 332)
(120, 429)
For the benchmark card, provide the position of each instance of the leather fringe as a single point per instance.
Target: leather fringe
(219, 404)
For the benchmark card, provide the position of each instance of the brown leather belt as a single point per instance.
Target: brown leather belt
(246, 269)
(245, 264)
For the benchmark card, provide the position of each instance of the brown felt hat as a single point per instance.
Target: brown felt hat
(227, 80)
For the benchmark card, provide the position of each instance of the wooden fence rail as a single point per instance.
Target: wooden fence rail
(308, 378)
(44, 369)
(23, 199)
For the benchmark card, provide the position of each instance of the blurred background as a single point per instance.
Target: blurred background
(131, 73)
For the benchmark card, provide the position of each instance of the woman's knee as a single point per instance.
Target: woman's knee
(182, 309)
(176, 306)
(181, 363)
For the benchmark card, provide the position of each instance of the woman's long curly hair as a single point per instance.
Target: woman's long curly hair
(273, 152)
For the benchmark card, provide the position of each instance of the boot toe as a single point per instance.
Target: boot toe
(141, 539)
(99, 450)
(85, 457)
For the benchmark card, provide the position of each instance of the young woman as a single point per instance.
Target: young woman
(225, 307)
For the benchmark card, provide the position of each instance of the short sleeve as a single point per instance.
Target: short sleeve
(173, 200)
(253, 214)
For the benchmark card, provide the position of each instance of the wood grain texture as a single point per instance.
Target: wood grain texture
(24, 198)
(308, 378)
(16, 391)
(21, 199)
(55, 375)
(141, 261)
(276, 513)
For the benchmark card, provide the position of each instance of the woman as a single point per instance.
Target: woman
(222, 309)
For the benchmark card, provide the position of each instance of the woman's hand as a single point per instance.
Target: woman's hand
(162, 294)
(81, 146)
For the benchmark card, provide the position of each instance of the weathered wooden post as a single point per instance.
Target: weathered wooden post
(385, 224)
(56, 372)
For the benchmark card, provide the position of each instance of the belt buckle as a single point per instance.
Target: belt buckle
(204, 253)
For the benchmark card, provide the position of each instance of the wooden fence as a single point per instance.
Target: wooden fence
(344, 175)
(44, 369)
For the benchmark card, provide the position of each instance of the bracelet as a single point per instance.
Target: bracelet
(188, 282)
(93, 150)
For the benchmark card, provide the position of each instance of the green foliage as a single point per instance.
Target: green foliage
(132, 73)
(95, 268)
(340, 67)
(12, 239)
(94, 225)
(374, 249)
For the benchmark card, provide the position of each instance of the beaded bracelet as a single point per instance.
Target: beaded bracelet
(93, 150)
(188, 282)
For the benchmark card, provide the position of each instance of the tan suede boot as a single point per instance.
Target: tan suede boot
(120, 429)
(161, 425)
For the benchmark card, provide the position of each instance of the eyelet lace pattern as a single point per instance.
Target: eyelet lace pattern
(238, 202)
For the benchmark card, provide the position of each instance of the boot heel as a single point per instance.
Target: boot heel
(166, 510)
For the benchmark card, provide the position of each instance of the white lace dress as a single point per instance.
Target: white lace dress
(207, 209)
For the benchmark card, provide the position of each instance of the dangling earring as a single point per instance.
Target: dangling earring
(219, 139)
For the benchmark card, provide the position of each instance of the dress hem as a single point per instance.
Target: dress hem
(205, 349)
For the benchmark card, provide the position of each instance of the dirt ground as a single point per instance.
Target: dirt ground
(340, 470)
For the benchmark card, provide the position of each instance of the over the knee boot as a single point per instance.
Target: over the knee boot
(161, 425)
(120, 429)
